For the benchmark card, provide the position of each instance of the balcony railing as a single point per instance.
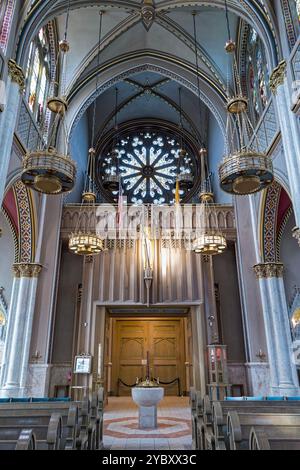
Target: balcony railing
(164, 221)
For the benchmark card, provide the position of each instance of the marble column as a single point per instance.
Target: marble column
(290, 134)
(16, 355)
(283, 374)
(210, 301)
(15, 87)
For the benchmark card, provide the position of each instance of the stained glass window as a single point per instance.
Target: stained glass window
(258, 76)
(38, 75)
(148, 162)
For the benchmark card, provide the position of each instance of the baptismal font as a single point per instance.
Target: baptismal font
(147, 394)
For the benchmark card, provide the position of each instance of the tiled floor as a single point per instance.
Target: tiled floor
(121, 429)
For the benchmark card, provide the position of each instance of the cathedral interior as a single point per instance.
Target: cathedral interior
(150, 224)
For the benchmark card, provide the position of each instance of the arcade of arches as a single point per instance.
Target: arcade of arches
(146, 89)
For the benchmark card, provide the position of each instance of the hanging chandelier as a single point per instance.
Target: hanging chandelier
(209, 241)
(112, 179)
(244, 170)
(45, 169)
(85, 241)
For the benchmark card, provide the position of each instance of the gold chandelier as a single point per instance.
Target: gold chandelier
(210, 244)
(244, 170)
(85, 241)
(45, 169)
(209, 241)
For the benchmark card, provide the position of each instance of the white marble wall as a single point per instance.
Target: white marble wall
(258, 374)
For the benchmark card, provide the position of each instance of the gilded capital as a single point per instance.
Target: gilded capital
(277, 76)
(296, 234)
(16, 74)
(268, 270)
(30, 270)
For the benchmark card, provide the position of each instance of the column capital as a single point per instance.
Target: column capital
(268, 270)
(277, 76)
(296, 234)
(16, 74)
(29, 270)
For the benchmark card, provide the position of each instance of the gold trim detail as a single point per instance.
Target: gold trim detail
(268, 270)
(16, 74)
(278, 76)
(29, 270)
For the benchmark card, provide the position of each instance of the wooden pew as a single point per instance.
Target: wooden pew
(239, 426)
(220, 411)
(196, 411)
(47, 429)
(96, 418)
(67, 410)
(25, 441)
(274, 439)
(205, 434)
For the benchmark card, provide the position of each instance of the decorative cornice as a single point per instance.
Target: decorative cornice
(29, 270)
(16, 74)
(277, 76)
(296, 234)
(268, 270)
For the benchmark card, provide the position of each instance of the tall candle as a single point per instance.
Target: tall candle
(148, 366)
(99, 361)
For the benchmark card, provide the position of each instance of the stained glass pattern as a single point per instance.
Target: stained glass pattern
(148, 162)
(257, 75)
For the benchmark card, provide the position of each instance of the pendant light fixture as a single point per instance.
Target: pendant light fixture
(85, 240)
(210, 240)
(112, 179)
(45, 169)
(244, 169)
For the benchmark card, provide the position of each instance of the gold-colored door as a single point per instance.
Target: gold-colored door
(163, 339)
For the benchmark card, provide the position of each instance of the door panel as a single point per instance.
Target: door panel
(164, 339)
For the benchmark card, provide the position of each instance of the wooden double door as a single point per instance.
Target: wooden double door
(164, 339)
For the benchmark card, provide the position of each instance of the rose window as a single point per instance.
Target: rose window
(148, 163)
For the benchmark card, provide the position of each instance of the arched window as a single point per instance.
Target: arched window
(6, 16)
(38, 75)
(148, 162)
(257, 75)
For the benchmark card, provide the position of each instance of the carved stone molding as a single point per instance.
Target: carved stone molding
(29, 270)
(148, 13)
(268, 270)
(16, 74)
(278, 76)
(296, 234)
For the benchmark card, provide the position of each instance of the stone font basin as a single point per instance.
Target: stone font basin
(144, 396)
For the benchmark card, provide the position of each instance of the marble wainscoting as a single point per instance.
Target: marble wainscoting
(38, 379)
(258, 374)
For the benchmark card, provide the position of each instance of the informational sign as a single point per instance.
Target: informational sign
(83, 365)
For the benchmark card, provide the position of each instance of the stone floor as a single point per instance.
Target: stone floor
(174, 426)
